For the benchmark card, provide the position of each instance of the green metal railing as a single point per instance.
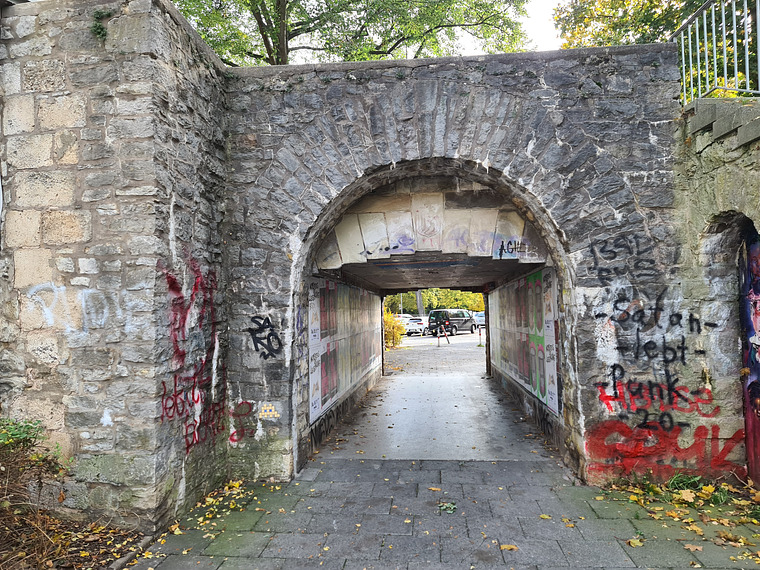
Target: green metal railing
(719, 50)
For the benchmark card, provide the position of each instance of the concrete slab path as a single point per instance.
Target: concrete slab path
(437, 470)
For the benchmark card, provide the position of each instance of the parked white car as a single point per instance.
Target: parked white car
(480, 319)
(412, 324)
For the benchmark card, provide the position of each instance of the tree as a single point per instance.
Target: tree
(586, 23)
(436, 299)
(251, 32)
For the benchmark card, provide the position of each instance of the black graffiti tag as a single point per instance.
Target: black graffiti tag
(265, 339)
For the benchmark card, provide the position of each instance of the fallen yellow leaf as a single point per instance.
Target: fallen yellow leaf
(634, 542)
(434, 488)
(544, 516)
(508, 547)
(687, 495)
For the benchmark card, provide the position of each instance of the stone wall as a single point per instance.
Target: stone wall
(112, 163)
(579, 142)
(163, 218)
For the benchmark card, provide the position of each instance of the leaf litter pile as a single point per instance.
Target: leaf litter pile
(210, 513)
(30, 537)
(723, 514)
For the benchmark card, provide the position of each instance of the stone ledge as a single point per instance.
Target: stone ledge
(749, 132)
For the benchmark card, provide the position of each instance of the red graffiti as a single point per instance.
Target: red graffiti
(634, 396)
(210, 424)
(242, 410)
(614, 448)
(181, 306)
(185, 393)
(189, 397)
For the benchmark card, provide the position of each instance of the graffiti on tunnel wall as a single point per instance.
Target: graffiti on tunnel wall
(749, 310)
(196, 395)
(344, 342)
(660, 424)
(266, 341)
(523, 334)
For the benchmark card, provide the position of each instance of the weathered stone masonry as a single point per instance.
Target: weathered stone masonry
(163, 218)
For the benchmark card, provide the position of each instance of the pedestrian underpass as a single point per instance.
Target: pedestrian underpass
(195, 256)
(436, 402)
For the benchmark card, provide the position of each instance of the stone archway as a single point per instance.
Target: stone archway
(442, 223)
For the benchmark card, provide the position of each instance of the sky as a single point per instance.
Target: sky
(540, 25)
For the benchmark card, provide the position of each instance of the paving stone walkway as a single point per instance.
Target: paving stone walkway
(379, 495)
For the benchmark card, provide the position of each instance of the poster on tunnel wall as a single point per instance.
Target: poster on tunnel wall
(523, 347)
(345, 339)
(749, 311)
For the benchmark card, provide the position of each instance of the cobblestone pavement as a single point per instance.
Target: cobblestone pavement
(437, 470)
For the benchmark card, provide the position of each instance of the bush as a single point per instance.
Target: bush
(25, 539)
(394, 330)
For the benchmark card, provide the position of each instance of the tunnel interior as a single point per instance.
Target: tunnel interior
(419, 232)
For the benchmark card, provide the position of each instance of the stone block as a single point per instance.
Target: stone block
(140, 278)
(62, 112)
(131, 35)
(748, 133)
(43, 347)
(147, 245)
(30, 151)
(704, 115)
(97, 151)
(64, 264)
(51, 306)
(22, 229)
(116, 469)
(135, 106)
(66, 147)
(44, 189)
(32, 266)
(98, 75)
(131, 128)
(45, 75)
(18, 114)
(88, 265)
(64, 227)
(10, 78)
(35, 46)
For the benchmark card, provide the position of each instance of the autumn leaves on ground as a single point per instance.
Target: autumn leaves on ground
(699, 512)
(724, 514)
(30, 537)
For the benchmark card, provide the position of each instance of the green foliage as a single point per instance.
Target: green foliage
(251, 32)
(97, 28)
(394, 329)
(587, 23)
(720, 496)
(681, 481)
(435, 299)
(19, 434)
(25, 530)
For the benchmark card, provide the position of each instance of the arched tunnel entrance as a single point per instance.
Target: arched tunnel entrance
(438, 224)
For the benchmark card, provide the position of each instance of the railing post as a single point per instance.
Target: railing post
(700, 30)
